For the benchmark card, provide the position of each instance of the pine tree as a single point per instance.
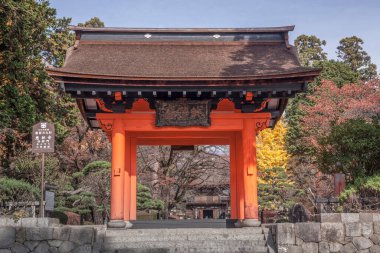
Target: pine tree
(145, 200)
(94, 22)
(31, 37)
(276, 190)
(351, 52)
(310, 49)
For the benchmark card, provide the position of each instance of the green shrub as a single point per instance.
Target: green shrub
(356, 145)
(17, 190)
(276, 190)
(145, 200)
(59, 215)
(78, 174)
(96, 165)
(359, 194)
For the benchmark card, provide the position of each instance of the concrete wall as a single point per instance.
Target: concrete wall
(47, 236)
(344, 233)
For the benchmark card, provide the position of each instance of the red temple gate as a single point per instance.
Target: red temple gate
(242, 77)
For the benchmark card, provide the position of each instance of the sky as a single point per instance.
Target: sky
(330, 20)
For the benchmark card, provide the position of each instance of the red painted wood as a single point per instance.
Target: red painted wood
(227, 128)
(127, 179)
(117, 174)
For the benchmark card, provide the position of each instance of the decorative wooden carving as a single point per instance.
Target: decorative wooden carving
(106, 126)
(263, 104)
(102, 105)
(183, 113)
(261, 125)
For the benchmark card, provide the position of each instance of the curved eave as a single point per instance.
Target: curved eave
(62, 74)
(184, 30)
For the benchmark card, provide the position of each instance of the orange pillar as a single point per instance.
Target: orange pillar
(239, 175)
(133, 197)
(117, 174)
(251, 211)
(233, 186)
(127, 179)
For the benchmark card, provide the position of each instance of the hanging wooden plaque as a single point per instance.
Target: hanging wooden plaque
(183, 113)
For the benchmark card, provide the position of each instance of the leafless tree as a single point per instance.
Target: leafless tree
(172, 174)
(81, 146)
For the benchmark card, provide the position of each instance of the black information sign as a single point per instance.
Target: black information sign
(43, 138)
(49, 198)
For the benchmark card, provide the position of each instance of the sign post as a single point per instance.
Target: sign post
(42, 207)
(43, 142)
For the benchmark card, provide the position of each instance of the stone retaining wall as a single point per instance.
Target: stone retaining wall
(344, 233)
(47, 236)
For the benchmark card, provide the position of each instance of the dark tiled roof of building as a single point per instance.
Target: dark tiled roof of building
(170, 61)
(184, 54)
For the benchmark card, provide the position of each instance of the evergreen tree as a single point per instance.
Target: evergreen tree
(356, 145)
(351, 52)
(88, 193)
(94, 22)
(18, 192)
(276, 190)
(31, 37)
(145, 200)
(310, 49)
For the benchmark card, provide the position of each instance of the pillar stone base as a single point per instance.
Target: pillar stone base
(128, 224)
(250, 223)
(116, 224)
(238, 224)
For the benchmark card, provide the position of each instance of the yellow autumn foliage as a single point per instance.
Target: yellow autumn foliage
(271, 150)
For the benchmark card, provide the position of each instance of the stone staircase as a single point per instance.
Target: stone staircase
(195, 240)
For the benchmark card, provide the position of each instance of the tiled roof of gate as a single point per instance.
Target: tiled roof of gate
(171, 55)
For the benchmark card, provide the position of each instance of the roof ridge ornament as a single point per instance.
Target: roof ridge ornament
(77, 39)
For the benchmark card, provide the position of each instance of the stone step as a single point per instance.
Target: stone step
(187, 246)
(183, 231)
(184, 237)
(191, 223)
(192, 250)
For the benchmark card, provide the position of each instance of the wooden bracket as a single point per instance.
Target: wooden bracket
(118, 96)
(249, 96)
